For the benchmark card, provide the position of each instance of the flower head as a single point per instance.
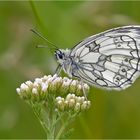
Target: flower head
(55, 97)
(41, 88)
(72, 102)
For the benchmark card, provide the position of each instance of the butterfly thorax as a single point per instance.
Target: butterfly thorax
(67, 62)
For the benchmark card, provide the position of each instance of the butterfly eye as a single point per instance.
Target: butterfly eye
(60, 56)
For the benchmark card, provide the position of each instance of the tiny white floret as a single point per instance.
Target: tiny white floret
(58, 98)
(74, 83)
(24, 87)
(77, 107)
(86, 86)
(71, 102)
(38, 80)
(34, 91)
(18, 90)
(29, 83)
(44, 87)
(79, 87)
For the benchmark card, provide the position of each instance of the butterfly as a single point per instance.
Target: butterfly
(109, 60)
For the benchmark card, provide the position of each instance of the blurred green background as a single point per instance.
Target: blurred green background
(112, 115)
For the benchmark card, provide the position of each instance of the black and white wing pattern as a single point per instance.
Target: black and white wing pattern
(110, 59)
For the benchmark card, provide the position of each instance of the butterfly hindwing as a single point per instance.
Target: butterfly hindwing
(109, 59)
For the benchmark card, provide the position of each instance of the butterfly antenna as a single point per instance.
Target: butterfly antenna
(41, 46)
(44, 38)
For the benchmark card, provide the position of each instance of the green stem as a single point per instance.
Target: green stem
(37, 114)
(60, 132)
(51, 115)
(36, 14)
(50, 134)
(63, 127)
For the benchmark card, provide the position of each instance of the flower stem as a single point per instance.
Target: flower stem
(37, 114)
(63, 127)
(54, 107)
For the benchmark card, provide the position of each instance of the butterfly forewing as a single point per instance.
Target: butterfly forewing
(109, 59)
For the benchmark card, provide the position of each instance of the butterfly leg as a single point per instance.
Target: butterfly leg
(58, 70)
(84, 92)
(82, 84)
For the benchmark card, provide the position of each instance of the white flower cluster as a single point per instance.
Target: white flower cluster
(58, 86)
(72, 102)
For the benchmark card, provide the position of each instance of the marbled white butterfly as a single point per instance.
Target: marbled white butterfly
(109, 60)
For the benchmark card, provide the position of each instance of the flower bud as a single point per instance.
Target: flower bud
(86, 88)
(64, 88)
(77, 107)
(55, 85)
(79, 90)
(85, 105)
(34, 91)
(58, 98)
(45, 78)
(68, 97)
(83, 99)
(66, 104)
(36, 85)
(29, 84)
(18, 91)
(71, 102)
(44, 87)
(49, 80)
(73, 86)
(38, 80)
(24, 87)
(60, 105)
